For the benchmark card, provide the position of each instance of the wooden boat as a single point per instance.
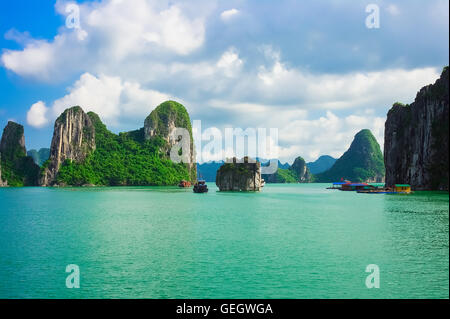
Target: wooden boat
(200, 187)
(184, 184)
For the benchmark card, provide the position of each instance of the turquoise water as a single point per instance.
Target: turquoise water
(289, 241)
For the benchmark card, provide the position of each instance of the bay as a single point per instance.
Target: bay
(288, 241)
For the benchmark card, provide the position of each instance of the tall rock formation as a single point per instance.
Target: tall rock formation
(298, 172)
(73, 139)
(17, 169)
(301, 170)
(363, 162)
(242, 175)
(2, 182)
(162, 122)
(416, 139)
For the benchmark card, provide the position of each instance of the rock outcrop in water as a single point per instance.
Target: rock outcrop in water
(73, 140)
(162, 122)
(2, 182)
(416, 139)
(16, 168)
(363, 162)
(298, 172)
(243, 175)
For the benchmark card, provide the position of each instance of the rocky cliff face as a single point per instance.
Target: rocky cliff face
(416, 139)
(297, 173)
(301, 170)
(73, 139)
(162, 122)
(2, 182)
(13, 141)
(239, 176)
(17, 169)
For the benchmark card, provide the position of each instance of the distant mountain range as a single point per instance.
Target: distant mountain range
(41, 156)
(322, 164)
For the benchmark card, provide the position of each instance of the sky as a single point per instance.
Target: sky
(312, 69)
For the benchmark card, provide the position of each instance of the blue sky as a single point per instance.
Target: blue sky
(312, 69)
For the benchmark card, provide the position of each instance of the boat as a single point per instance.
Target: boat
(338, 185)
(184, 184)
(200, 187)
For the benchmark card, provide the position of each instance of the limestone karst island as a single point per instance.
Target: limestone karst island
(84, 152)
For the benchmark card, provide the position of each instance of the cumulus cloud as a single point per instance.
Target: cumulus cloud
(112, 31)
(133, 57)
(228, 14)
(230, 62)
(37, 115)
(110, 97)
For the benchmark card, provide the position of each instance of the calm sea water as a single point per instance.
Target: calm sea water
(289, 241)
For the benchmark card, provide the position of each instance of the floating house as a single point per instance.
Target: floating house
(397, 189)
(355, 186)
(377, 185)
(402, 188)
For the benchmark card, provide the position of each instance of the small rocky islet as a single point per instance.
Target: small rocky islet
(84, 152)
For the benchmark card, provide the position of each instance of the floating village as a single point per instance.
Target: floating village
(245, 176)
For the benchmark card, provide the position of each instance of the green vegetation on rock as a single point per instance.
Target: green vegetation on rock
(362, 162)
(18, 169)
(297, 173)
(124, 159)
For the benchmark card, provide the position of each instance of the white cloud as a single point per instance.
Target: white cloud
(133, 57)
(112, 31)
(37, 115)
(110, 97)
(230, 62)
(228, 14)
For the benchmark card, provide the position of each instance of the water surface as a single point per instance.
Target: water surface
(289, 241)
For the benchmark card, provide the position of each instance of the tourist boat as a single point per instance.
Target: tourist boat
(200, 187)
(184, 184)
